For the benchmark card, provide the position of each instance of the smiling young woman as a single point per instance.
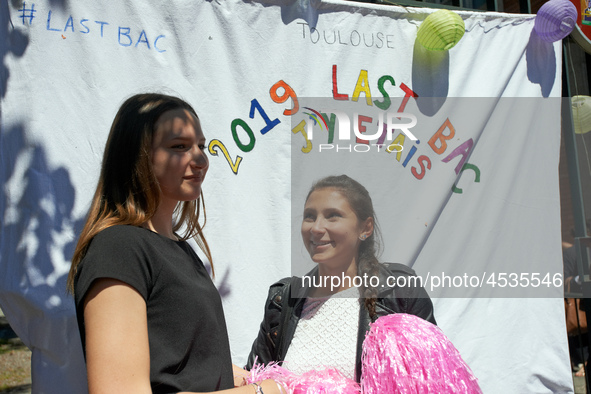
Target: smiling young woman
(150, 317)
(332, 233)
(311, 325)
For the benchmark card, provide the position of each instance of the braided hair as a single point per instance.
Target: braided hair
(360, 201)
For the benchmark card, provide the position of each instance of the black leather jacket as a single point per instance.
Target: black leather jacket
(282, 312)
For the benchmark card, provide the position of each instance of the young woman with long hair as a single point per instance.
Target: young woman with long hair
(309, 323)
(150, 317)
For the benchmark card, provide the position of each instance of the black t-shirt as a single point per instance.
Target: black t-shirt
(189, 348)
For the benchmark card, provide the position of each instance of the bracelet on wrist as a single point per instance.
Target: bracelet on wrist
(257, 388)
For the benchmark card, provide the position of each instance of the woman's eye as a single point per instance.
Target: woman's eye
(179, 146)
(202, 146)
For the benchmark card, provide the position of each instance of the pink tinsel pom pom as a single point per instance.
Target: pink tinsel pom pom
(324, 381)
(405, 354)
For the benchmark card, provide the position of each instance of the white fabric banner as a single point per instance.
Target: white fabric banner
(482, 203)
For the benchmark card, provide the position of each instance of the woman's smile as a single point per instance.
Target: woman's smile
(321, 245)
(194, 178)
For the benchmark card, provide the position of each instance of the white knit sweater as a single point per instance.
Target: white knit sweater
(326, 334)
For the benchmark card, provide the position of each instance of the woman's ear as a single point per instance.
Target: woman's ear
(366, 229)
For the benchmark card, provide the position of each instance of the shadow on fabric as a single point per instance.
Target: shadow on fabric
(541, 63)
(38, 239)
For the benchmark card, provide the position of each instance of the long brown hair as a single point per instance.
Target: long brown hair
(128, 191)
(360, 201)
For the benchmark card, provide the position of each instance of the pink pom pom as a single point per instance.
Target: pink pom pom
(271, 371)
(324, 381)
(405, 354)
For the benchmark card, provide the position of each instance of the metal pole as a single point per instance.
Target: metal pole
(570, 145)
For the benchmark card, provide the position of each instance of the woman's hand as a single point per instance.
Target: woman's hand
(267, 387)
(272, 387)
(240, 375)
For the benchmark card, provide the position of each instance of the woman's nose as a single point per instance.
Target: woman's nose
(318, 226)
(199, 158)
